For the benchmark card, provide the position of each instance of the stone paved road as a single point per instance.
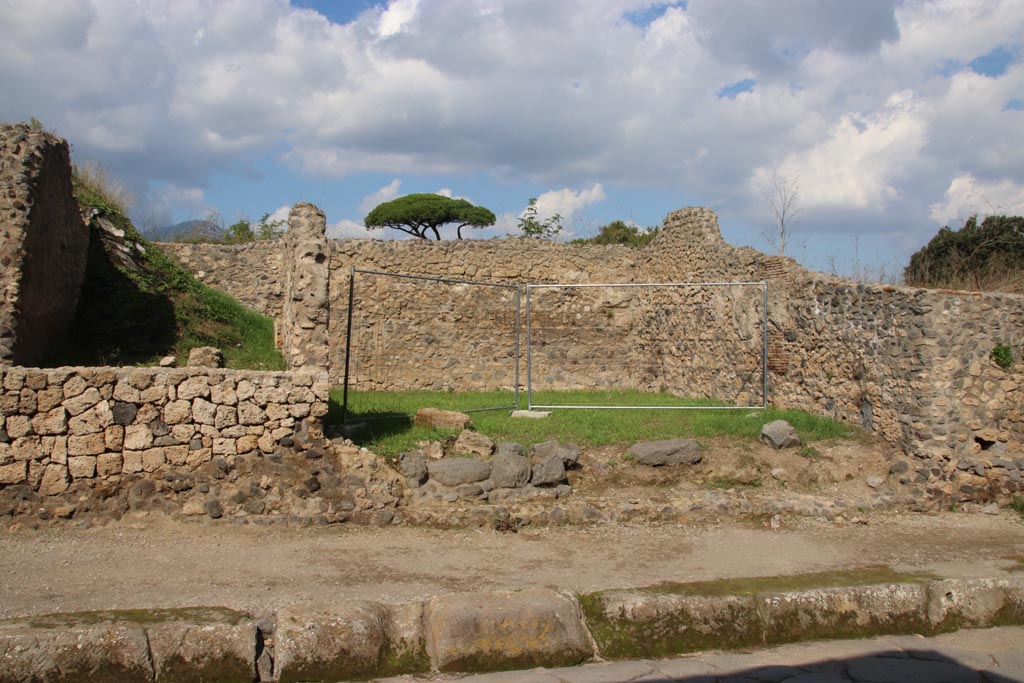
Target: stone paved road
(976, 656)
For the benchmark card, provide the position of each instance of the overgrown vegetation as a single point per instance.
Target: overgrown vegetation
(139, 307)
(389, 430)
(619, 232)
(1002, 354)
(987, 257)
(531, 226)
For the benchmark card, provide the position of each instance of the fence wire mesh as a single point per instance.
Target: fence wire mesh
(698, 340)
(409, 334)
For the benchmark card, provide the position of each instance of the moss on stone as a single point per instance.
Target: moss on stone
(863, 576)
(140, 617)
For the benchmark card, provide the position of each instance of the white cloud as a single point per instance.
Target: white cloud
(384, 194)
(857, 99)
(567, 203)
(397, 16)
(966, 195)
(347, 229)
(858, 164)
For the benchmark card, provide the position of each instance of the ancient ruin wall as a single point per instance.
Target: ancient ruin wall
(45, 244)
(66, 424)
(252, 273)
(911, 365)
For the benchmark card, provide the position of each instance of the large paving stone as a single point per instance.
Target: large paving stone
(496, 631)
(972, 603)
(99, 653)
(456, 471)
(353, 641)
(203, 653)
(847, 612)
(667, 452)
(628, 624)
(312, 645)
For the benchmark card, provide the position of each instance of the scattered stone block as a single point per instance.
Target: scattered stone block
(168, 362)
(434, 418)
(205, 357)
(472, 443)
(414, 467)
(548, 472)
(569, 453)
(510, 470)
(666, 452)
(780, 434)
(456, 471)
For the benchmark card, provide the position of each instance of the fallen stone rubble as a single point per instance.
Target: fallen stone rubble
(481, 631)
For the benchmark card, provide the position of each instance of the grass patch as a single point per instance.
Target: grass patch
(1018, 505)
(137, 305)
(389, 428)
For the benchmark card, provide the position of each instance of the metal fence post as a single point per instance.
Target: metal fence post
(348, 344)
(529, 354)
(764, 348)
(519, 298)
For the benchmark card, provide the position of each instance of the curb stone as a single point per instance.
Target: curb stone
(478, 632)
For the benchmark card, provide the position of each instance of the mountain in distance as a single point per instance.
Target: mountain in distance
(187, 231)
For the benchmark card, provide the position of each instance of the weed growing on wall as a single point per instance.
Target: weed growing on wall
(1002, 354)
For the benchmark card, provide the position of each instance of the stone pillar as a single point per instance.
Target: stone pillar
(43, 244)
(306, 314)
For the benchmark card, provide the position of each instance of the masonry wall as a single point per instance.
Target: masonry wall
(44, 244)
(909, 364)
(65, 424)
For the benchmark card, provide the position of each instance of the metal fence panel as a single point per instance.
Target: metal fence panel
(408, 332)
(697, 339)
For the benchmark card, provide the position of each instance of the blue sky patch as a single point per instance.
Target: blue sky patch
(993, 64)
(1016, 104)
(642, 18)
(733, 89)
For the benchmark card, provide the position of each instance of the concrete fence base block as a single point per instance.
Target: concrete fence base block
(495, 631)
(531, 414)
(103, 653)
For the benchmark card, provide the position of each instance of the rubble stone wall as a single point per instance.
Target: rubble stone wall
(253, 273)
(911, 365)
(65, 424)
(44, 246)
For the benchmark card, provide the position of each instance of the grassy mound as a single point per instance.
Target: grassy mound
(137, 305)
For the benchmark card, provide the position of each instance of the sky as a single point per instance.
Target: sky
(890, 118)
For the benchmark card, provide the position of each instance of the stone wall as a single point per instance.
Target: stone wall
(911, 365)
(65, 424)
(44, 244)
(252, 273)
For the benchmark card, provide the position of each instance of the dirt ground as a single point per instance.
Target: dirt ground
(153, 561)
